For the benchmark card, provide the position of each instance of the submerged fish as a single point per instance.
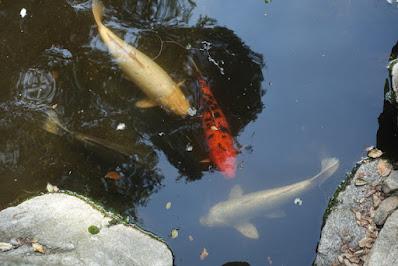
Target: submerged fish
(54, 126)
(142, 70)
(216, 129)
(239, 209)
(217, 133)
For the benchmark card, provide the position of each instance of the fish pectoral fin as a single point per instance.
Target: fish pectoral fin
(276, 214)
(236, 192)
(248, 230)
(146, 103)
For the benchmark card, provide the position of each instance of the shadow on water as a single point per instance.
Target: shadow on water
(57, 62)
(387, 135)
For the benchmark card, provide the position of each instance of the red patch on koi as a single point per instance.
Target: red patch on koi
(218, 135)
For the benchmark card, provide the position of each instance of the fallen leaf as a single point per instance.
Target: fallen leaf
(168, 205)
(113, 175)
(5, 246)
(190, 238)
(384, 168)
(174, 233)
(38, 248)
(375, 153)
(204, 254)
(360, 182)
(50, 188)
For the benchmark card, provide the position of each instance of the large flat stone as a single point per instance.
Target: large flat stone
(60, 223)
(385, 250)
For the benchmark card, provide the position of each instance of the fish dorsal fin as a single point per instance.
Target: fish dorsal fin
(236, 192)
(247, 229)
(146, 103)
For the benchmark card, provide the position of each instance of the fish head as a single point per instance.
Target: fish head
(213, 218)
(176, 102)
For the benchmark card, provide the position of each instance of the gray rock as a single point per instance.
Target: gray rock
(341, 227)
(386, 207)
(60, 222)
(390, 184)
(385, 250)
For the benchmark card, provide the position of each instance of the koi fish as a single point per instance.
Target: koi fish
(143, 71)
(217, 133)
(54, 126)
(239, 208)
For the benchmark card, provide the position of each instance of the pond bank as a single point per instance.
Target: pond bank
(62, 229)
(361, 223)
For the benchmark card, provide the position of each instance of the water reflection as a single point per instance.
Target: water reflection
(234, 73)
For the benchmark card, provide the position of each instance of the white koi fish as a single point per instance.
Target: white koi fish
(237, 211)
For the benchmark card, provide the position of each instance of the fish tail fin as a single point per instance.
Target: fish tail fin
(98, 11)
(328, 167)
(53, 125)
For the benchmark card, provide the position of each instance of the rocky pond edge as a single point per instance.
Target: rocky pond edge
(360, 225)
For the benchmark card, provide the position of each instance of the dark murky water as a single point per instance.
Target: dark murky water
(298, 82)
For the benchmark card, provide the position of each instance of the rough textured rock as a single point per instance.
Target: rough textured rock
(59, 223)
(386, 207)
(385, 250)
(390, 184)
(341, 230)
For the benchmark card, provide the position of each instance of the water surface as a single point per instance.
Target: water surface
(298, 82)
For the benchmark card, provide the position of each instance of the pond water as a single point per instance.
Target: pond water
(297, 81)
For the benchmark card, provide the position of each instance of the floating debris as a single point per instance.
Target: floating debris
(5, 246)
(174, 233)
(214, 128)
(161, 134)
(168, 205)
(192, 111)
(384, 168)
(23, 12)
(190, 238)
(374, 153)
(189, 147)
(204, 254)
(298, 201)
(38, 248)
(113, 175)
(52, 189)
(121, 126)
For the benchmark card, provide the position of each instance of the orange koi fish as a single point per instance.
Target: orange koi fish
(218, 135)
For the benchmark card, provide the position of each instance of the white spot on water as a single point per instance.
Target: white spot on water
(23, 12)
(121, 126)
(189, 147)
(298, 201)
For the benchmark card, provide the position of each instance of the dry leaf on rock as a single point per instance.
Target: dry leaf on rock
(204, 254)
(38, 248)
(5, 246)
(375, 153)
(384, 168)
(360, 182)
